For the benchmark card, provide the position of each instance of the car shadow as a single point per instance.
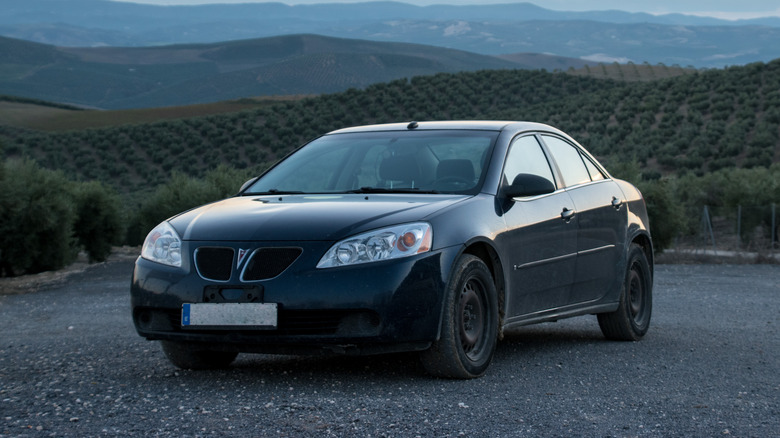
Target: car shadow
(390, 366)
(552, 334)
(532, 343)
(547, 339)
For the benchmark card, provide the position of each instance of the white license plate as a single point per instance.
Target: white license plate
(258, 315)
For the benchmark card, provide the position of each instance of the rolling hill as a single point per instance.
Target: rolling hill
(47, 116)
(111, 77)
(694, 123)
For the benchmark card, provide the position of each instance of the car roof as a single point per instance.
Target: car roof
(485, 125)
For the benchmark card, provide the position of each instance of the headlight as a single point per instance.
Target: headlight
(384, 244)
(163, 245)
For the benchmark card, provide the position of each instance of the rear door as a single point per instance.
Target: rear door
(601, 220)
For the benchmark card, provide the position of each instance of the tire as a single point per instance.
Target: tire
(191, 356)
(632, 318)
(469, 327)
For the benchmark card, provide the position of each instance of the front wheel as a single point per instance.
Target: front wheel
(469, 327)
(191, 356)
(632, 318)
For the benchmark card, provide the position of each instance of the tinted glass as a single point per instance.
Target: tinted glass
(595, 173)
(425, 161)
(526, 156)
(569, 161)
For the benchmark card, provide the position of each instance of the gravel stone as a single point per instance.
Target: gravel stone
(71, 365)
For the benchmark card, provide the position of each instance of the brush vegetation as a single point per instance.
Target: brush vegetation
(702, 137)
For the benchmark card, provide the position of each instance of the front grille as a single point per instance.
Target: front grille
(214, 263)
(267, 263)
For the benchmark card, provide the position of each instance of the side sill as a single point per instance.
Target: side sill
(556, 314)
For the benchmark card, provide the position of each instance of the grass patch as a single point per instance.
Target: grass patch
(46, 118)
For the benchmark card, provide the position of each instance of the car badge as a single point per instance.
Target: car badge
(241, 255)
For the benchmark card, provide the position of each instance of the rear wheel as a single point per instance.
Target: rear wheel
(469, 326)
(194, 357)
(632, 318)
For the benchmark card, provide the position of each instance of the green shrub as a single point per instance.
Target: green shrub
(36, 219)
(179, 194)
(182, 193)
(666, 215)
(99, 223)
(227, 180)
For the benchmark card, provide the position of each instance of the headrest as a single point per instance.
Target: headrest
(460, 168)
(399, 168)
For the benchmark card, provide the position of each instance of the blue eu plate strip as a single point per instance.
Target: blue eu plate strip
(185, 314)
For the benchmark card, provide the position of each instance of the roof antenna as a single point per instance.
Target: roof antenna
(412, 125)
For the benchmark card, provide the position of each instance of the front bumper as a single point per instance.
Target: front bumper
(377, 307)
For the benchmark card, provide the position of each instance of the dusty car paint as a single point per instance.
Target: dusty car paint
(550, 256)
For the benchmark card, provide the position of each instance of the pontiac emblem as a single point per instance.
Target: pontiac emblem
(241, 255)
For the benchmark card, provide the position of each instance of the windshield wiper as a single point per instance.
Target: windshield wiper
(275, 192)
(392, 190)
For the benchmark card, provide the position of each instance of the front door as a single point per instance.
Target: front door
(540, 243)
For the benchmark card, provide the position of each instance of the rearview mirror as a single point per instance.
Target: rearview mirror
(526, 184)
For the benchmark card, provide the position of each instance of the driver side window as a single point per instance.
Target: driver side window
(526, 156)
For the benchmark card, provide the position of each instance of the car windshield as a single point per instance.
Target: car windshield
(451, 161)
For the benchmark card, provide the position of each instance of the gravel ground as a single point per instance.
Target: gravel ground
(71, 364)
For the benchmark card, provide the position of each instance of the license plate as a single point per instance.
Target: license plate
(227, 315)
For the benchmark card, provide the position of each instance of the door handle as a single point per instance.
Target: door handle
(567, 215)
(617, 203)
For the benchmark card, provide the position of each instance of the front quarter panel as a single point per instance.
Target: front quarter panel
(459, 224)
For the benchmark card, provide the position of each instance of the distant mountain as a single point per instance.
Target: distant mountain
(486, 29)
(699, 46)
(111, 77)
(104, 14)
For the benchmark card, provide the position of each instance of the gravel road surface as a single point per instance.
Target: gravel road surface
(71, 364)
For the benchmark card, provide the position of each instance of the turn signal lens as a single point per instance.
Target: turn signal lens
(408, 240)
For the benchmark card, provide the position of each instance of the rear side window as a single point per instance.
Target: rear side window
(595, 173)
(569, 161)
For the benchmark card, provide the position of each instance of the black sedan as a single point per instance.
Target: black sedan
(432, 237)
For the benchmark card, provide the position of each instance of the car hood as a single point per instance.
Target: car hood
(304, 217)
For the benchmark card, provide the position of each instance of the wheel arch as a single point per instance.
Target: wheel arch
(485, 252)
(644, 241)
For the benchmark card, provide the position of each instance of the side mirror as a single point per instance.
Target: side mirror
(248, 183)
(526, 184)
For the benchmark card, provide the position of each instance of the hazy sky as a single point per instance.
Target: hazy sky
(728, 9)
